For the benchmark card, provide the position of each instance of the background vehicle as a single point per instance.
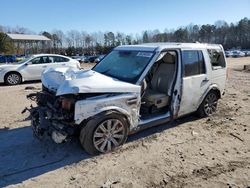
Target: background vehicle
(247, 53)
(32, 68)
(90, 59)
(238, 53)
(78, 58)
(132, 88)
(99, 58)
(228, 53)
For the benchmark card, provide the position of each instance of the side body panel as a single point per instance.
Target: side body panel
(194, 87)
(126, 104)
(219, 75)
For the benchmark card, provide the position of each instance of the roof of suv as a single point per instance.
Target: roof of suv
(170, 45)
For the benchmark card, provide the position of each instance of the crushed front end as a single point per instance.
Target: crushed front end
(53, 115)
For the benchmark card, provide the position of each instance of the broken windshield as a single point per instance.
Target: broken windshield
(124, 65)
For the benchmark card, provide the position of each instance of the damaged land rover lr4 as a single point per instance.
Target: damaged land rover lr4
(134, 87)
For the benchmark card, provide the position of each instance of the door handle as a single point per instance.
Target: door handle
(44, 66)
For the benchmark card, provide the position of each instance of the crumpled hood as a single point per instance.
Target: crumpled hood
(72, 81)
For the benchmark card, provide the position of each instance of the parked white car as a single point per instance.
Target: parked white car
(132, 88)
(32, 68)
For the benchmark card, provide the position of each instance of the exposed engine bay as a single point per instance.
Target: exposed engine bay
(54, 115)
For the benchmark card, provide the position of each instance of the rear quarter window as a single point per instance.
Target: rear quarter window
(217, 59)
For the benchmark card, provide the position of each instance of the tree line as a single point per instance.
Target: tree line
(230, 35)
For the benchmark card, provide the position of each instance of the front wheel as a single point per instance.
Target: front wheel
(104, 133)
(12, 79)
(209, 105)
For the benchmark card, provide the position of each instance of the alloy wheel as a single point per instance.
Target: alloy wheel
(13, 79)
(109, 135)
(210, 103)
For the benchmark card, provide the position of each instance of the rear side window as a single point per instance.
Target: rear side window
(193, 62)
(216, 58)
(58, 59)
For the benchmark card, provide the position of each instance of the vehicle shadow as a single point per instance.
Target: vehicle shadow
(23, 157)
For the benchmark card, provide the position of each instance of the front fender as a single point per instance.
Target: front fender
(87, 108)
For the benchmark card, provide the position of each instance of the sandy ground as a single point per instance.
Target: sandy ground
(190, 152)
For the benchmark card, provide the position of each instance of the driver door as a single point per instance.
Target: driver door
(177, 89)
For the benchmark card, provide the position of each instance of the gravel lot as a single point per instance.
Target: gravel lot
(190, 152)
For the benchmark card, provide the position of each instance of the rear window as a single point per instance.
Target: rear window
(217, 59)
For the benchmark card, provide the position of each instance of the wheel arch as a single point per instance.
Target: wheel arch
(105, 112)
(13, 71)
(211, 88)
(91, 124)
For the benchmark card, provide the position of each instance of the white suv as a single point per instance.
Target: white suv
(31, 68)
(132, 88)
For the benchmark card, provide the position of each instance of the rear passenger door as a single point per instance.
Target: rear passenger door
(195, 80)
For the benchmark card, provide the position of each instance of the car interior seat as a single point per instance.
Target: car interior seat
(158, 94)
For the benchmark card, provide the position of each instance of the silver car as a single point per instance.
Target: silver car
(32, 68)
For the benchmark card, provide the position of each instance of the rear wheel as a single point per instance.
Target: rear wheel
(209, 105)
(13, 78)
(104, 133)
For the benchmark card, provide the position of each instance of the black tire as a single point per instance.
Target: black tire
(208, 105)
(89, 141)
(12, 78)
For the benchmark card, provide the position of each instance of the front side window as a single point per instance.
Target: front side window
(124, 65)
(41, 60)
(216, 58)
(193, 62)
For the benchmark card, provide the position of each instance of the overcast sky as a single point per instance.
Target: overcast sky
(129, 16)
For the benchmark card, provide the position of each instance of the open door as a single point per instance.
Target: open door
(162, 96)
(177, 88)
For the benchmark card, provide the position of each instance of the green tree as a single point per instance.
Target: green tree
(6, 46)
